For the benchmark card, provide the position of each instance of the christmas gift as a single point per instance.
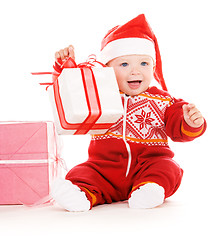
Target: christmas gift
(85, 98)
(29, 161)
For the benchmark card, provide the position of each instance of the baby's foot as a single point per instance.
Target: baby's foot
(149, 195)
(69, 196)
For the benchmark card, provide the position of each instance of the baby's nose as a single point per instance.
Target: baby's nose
(135, 71)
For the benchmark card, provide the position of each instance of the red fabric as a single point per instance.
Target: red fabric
(137, 28)
(174, 120)
(104, 174)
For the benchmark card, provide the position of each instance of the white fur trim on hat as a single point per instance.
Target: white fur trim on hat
(127, 46)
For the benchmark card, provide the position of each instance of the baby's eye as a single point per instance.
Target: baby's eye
(124, 64)
(144, 63)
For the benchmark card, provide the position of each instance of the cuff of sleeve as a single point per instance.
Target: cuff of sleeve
(91, 197)
(190, 131)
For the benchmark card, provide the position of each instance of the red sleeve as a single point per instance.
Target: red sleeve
(176, 127)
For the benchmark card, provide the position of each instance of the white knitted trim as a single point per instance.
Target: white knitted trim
(127, 46)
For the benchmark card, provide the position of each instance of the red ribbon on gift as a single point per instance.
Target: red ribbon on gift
(91, 93)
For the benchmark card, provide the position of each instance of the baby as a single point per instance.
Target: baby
(132, 160)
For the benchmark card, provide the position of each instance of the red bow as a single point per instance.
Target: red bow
(69, 63)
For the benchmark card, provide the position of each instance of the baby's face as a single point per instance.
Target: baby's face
(133, 73)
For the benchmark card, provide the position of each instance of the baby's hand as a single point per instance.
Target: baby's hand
(192, 115)
(63, 54)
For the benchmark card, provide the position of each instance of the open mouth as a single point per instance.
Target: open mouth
(134, 84)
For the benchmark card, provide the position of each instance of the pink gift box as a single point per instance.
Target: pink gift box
(29, 161)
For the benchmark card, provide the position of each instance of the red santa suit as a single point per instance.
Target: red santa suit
(135, 150)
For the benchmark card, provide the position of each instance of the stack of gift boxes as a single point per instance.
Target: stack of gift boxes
(85, 100)
(29, 161)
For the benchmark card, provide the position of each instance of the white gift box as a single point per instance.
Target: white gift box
(85, 100)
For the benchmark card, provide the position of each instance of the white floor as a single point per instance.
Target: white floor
(176, 219)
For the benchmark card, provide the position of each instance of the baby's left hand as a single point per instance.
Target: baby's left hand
(192, 116)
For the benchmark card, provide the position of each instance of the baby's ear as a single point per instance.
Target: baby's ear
(154, 67)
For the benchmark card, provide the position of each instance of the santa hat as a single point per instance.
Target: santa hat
(134, 37)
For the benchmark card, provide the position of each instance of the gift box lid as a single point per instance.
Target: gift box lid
(23, 140)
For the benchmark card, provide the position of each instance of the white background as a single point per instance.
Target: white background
(31, 32)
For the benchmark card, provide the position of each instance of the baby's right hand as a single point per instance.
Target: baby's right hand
(63, 54)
